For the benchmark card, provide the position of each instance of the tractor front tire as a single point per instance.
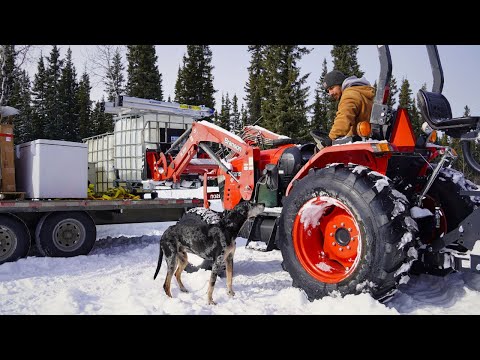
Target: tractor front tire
(345, 229)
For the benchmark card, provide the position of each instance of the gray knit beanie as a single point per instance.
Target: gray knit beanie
(334, 77)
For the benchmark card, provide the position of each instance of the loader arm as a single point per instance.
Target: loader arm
(166, 167)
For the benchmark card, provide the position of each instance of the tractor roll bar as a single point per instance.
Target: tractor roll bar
(380, 115)
(385, 73)
(436, 66)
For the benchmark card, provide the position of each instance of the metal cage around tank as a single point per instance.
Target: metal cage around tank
(119, 157)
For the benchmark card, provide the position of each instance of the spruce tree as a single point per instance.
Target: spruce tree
(96, 119)
(253, 87)
(405, 96)
(391, 101)
(53, 107)
(39, 94)
(235, 120)
(84, 105)
(7, 73)
(406, 102)
(114, 80)
(194, 84)
(21, 100)
(243, 116)
(144, 79)
(68, 104)
(180, 90)
(285, 107)
(320, 120)
(225, 113)
(101, 122)
(345, 60)
(269, 82)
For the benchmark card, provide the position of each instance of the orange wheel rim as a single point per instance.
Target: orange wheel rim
(327, 239)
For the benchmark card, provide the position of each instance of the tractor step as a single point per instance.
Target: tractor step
(261, 231)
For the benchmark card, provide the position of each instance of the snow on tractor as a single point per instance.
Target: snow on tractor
(359, 216)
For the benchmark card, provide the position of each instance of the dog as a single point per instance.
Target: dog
(211, 240)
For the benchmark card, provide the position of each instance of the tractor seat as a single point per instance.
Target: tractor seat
(436, 111)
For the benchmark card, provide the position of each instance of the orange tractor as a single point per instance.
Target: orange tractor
(362, 215)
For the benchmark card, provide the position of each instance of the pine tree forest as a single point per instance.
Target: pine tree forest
(55, 102)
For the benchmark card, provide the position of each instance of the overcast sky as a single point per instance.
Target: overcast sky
(459, 62)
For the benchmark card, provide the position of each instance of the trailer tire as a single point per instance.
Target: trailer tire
(14, 238)
(340, 232)
(65, 234)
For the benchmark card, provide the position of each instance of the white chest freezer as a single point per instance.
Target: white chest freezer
(52, 169)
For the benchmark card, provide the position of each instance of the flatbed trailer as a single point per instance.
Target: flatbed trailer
(67, 227)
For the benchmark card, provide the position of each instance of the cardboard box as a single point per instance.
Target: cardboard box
(8, 180)
(7, 158)
(6, 144)
(6, 135)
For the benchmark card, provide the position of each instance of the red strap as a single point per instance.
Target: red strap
(6, 135)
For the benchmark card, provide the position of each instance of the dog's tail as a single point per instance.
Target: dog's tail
(160, 257)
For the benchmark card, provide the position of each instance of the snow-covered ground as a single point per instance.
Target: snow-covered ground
(117, 278)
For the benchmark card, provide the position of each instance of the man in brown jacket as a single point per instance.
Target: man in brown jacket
(356, 100)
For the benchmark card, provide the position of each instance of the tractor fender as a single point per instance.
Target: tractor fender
(359, 153)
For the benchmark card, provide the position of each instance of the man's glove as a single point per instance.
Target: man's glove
(322, 139)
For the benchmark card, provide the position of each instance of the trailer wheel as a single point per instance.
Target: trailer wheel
(14, 239)
(346, 230)
(65, 234)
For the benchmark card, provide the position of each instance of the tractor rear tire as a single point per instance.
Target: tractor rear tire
(345, 229)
